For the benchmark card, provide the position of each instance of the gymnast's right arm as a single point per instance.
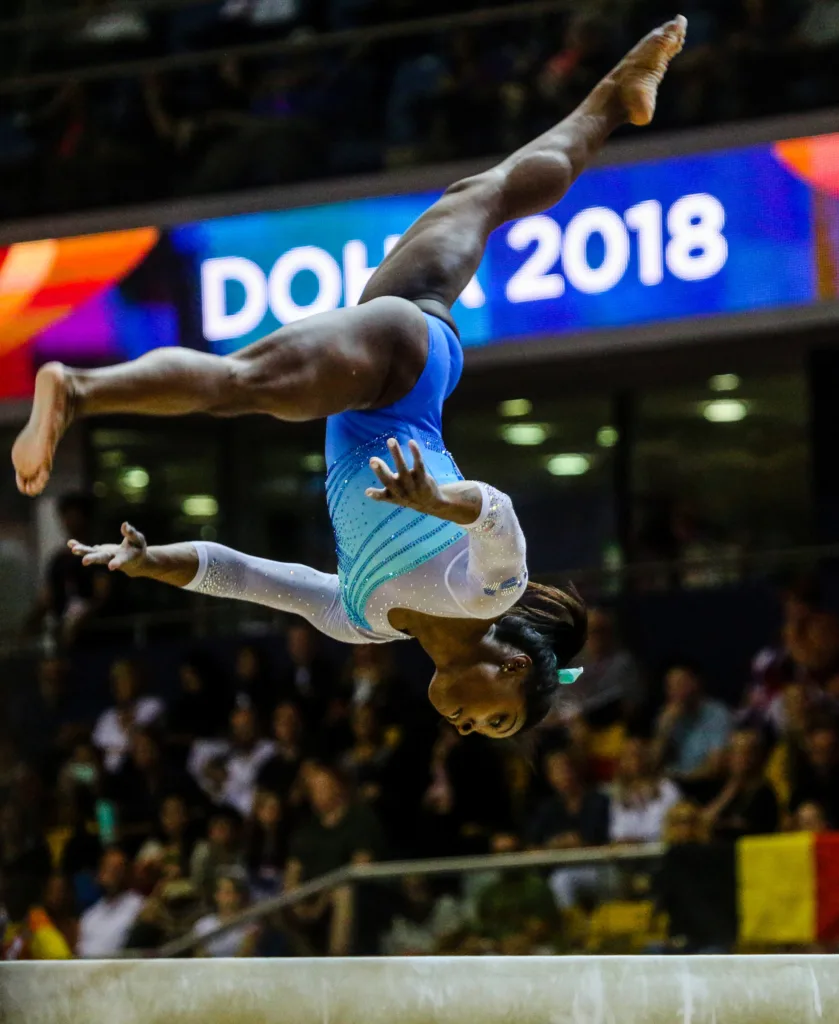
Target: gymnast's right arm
(222, 572)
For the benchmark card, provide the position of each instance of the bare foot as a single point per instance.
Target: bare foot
(52, 411)
(640, 72)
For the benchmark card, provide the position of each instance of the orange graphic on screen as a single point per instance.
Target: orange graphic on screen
(43, 282)
(814, 159)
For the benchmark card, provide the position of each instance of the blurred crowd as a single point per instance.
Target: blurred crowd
(249, 119)
(194, 786)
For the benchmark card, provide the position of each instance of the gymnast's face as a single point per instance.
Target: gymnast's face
(486, 697)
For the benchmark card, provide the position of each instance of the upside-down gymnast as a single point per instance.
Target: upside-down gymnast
(447, 564)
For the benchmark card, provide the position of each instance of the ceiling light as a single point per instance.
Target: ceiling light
(134, 478)
(725, 410)
(607, 437)
(515, 407)
(570, 464)
(313, 463)
(724, 382)
(524, 433)
(200, 506)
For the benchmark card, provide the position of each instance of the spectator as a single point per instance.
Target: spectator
(202, 708)
(231, 895)
(811, 631)
(60, 905)
(220, 851)
(170, 850)
(640, 797)
(746, 803)
(227, 770)
(816, 774)
(611, 684)
(793, 713)
(696, 885)
(30, 934)
(252, 680)
(266, 844)
(112, 734)
(76, 848)
(81, 772)
(574, 815)
(367, 760)
(810, 817)
(692, 730)
(422, 921)
(104, 928)
(72, 594)
(341, 831)
(468, 800)
(309, 680)
(141, 784)
(280, 771)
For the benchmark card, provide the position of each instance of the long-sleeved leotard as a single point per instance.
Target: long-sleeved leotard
(481, 575)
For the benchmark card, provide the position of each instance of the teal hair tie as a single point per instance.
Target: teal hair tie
(567, 676)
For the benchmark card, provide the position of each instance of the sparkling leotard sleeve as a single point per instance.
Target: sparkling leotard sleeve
(491, 574)
(297, 589)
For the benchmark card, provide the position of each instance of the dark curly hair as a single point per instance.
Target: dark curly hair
(550, 625)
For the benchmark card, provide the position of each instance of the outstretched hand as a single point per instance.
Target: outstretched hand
(128, 557)
(411, 487)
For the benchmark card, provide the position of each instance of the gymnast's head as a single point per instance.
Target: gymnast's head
(511, 680)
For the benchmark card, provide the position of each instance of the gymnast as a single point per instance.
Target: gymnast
(421, 552)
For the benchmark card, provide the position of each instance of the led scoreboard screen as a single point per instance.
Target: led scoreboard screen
(713, 234)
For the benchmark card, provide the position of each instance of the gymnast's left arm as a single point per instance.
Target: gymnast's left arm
(492, 574)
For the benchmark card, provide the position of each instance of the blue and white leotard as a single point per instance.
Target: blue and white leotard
(388, 556)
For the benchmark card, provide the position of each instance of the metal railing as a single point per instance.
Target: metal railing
(355, 874)
(348, 38)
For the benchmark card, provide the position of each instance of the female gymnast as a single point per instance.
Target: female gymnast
(447, 564)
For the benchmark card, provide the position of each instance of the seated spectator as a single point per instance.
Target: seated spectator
(72, 594)
(696, 885)
(611, 685)
(367, 760)
(30, 933)
(422, 920)
(82, 771)
(130, 711)
(517, 911)
(468, 800)
(75, 846)
(279, 773)
(574, 815)
(746, 803)
(253, 684)
(60, 904)
(342, 831)
(169, 851)
(231, 897)
(104, 927)
(266, 844)
(141, 784)
(640, 797)
(793, 713)
(816, 773)
(202, 708)
(692, 730)
(22, 847)
(307, 680)
(810, 631)
(221, 851)
(240, 757)
(809, 817)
